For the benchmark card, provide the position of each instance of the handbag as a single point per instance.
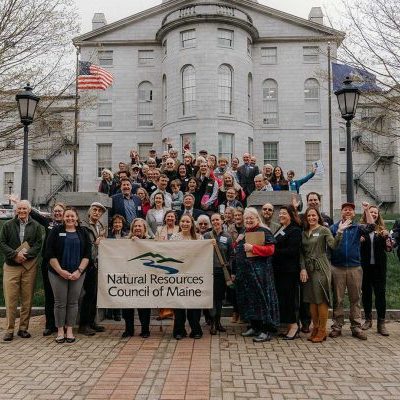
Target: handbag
(223, 263)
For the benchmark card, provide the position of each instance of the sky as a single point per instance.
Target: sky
(118, 9)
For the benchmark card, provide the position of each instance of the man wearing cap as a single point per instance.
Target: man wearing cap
(347, 272)
(153, 154)
(126, 204)
(203, 153)
(96, 232)
(20, 242)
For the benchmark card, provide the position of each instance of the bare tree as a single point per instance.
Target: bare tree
(372, 43)
(35, 47)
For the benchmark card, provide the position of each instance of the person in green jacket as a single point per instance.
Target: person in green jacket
(21, 240)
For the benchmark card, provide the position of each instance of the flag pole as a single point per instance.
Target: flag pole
(330, 134)
(75, 147)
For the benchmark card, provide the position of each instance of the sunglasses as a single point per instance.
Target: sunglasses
(268, 209)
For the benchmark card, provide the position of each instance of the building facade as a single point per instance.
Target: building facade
(228, 76)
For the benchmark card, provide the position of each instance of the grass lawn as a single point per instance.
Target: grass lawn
(392, 288)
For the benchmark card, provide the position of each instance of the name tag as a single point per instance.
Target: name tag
(210, 184)
(315, 234)
(153, 188)
(139, 207)
(282, 233)
(62, 234)
(223, 239)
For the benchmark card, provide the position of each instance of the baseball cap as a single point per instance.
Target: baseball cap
(97, 204)
(351, 205)
(203, 152)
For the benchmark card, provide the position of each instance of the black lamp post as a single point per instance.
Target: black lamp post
(10, 184)
(27, 103)
(348, 96)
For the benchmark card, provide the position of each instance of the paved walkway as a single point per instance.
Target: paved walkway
(226, 367)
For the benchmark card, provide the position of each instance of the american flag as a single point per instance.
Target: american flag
(93, 77)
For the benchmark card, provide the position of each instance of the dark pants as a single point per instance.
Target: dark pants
(374, 280)
(128, 314)
(219, 290)
(193, 316)
(89, 302)
(48, 296)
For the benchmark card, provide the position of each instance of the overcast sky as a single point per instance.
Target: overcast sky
(118, 9)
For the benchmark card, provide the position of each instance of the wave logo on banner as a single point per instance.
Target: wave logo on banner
(153, 260)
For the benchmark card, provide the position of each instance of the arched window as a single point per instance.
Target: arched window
(225, 89)
(250, 97)
(270, 102)
(188, 90)
(145, 112)
(311, 102)
(164, 94)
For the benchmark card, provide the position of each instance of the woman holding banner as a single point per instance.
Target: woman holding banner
(165, 232)
(222, 260)
(256, 294)
(187, 231)
(138, 231)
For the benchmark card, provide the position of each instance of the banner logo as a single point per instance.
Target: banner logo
(153, 260)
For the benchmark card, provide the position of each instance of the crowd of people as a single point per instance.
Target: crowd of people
(280, 275)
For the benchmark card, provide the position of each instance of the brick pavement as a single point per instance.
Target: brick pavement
(225, 367)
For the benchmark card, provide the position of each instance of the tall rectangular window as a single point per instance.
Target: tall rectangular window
(225, 89)
(225, 145)
(188, 144)
(250, 145)
(143, 150)
(188, 90)
(105, 58)
(343, 183)
(249, 47)
(270, 102)
(188, 38)
(269, 55)
(271, 153)
(225, 38)
(8, 182)
(311, 54)
(313, 153)
(311, 102)
(104, 157)
(104, 108)
(145, 117)
(146, 57)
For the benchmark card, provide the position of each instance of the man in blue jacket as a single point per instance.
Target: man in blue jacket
(347, 272)
(126, 204)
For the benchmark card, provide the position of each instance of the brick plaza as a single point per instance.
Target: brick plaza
(225, 366)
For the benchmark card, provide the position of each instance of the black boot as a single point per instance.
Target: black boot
(213, 330)
(218, 325)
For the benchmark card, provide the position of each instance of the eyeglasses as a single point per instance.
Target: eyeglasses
(268, 209)
(203, 223)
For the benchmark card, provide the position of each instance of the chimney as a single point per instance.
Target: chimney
(98, 21)
(316, 15)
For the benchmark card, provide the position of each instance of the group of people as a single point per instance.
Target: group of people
(278, 274)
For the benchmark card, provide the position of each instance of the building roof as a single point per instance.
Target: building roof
(246, 4)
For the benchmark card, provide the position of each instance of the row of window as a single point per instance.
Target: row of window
(225, 149)
(225, 99)
(269, 55)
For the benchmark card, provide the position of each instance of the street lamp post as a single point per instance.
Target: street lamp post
(10, 184)
(347, 97)
(27, 103)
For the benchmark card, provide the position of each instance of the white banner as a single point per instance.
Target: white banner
(155, 274)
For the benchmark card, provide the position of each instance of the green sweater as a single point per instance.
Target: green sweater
(9, 239)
